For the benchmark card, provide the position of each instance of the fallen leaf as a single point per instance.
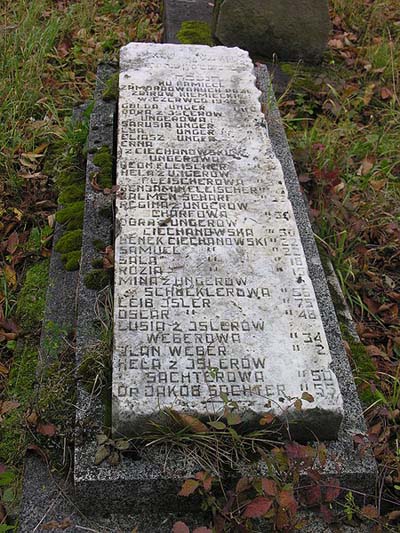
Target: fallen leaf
(370, 511)
(266, 419)
(193, 423)
(258, 507)
(287, 501)
(242, 485)
(269, 487)
(32, 418)
(180, 527)
(53, 524)
(8, 406)
(189, 486)
(12, 242)
(313, 495)
(327, 514)
(386, 93)
(332, 490)
(49, 430)
(394, 515)
(10, 275)
(367, 165)
(101, 454)
(307, 397)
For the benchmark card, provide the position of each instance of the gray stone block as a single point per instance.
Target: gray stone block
(140, 483)
(290, 29)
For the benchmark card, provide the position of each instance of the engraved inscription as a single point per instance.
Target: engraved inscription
(212, 292)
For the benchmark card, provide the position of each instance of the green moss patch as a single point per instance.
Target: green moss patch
(111, 88)
(69, 178)
(20, 387)
(72, 260)
(72, 215)
(70, 242)
(72, 193)
(97, 279)
(32, 298)
(103, 159)
(195, 32)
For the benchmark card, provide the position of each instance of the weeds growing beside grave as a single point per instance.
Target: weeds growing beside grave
(343, 125)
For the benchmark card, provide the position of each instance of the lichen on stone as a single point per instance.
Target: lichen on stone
(195, 32)
(69, 242)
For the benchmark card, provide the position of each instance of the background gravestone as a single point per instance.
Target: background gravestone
(291, 29)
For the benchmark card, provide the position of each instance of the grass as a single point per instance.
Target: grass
(343, 125)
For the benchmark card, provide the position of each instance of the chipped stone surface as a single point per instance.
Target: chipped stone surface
(212, 291)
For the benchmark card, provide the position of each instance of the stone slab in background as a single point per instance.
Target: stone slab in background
(178, 11)
(291, 30)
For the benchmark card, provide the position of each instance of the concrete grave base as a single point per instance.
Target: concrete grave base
(110, 499)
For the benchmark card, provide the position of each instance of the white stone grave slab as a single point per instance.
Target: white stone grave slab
(212, 291)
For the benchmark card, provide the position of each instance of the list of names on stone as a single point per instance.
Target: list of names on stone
(212, 294)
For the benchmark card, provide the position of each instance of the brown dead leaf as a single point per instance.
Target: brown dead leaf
(32, 418)
(386, 93)
(193, 423)
(10, 275)
(378, 185)
(367, 165)
(49, 430)
(12, 242)
(8, 406)
(53, 524)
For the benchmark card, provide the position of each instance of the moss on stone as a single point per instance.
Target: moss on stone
(72, 193)
(71, 241)
(32, 297)
(70, 177)
(95, 368)
(106, 211)
(72, 213)
(111, 88)
(195, 32)
(103, 159)
(99, 245)
(97, 279)
(97, 262)
(72, 260)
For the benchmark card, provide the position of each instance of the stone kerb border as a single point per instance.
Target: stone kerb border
(145, 481)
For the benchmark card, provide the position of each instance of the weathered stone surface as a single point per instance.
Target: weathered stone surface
(212, 292)
(290, 29)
